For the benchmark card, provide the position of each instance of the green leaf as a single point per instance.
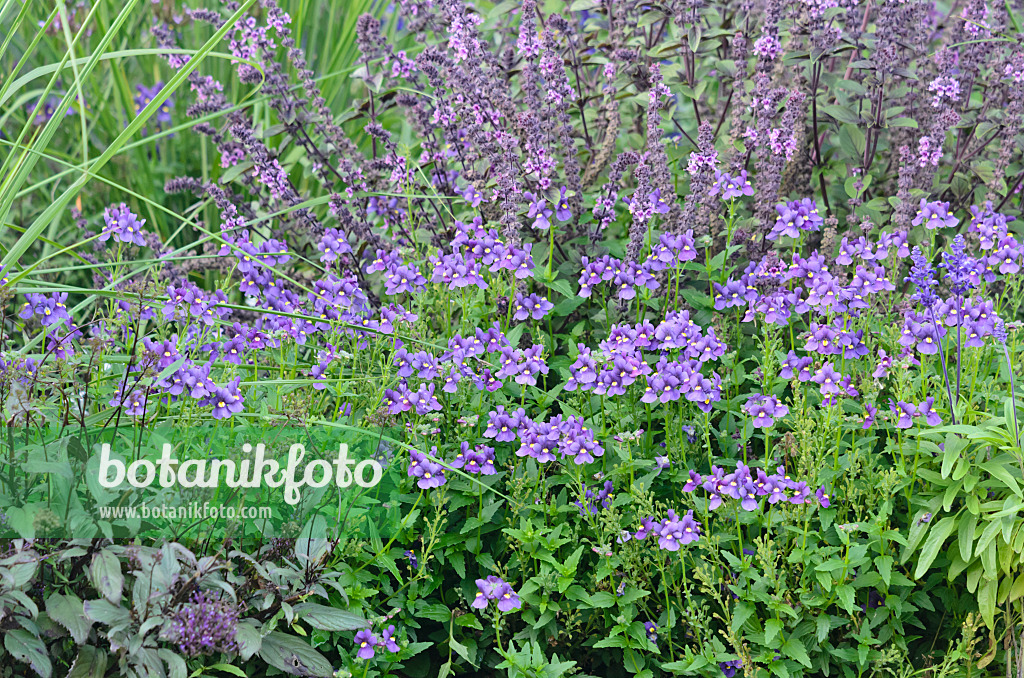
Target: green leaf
(741, 615)
(965, 537)
(824, 626)
(294, 656)
(90, 663)
(999, 471)
(329, 618)
(227, 668)
(772, 629)
(846, 595)
(27, 648)
(469, 620)
(840, 113)
(248, 638)
(795, 649)
(884, 565)
(602, 599)
(987, 601)
(932, 545)
(106, 575)
(69, 613)
(852, 141)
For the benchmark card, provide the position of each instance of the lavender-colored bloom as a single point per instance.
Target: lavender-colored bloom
(764, 410)
(365, 642)
(123, 226)
(927, 410)
(934, 215)
(146, 94)
(204, 625)
(532, 306)
(869, 415)
(429, 474)
(731, 186)
(794, 217)
(959, 267)
(828, 379)
(652, 631)
(905, 413)
(538, 211)
(562, 210)
(922, 275)
(729, 668)
(494, 588)
(387, 639)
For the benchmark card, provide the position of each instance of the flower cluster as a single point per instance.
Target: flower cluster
(495, 588)
(204, 625)
(672, 532)
(366, 642)
(747, 485)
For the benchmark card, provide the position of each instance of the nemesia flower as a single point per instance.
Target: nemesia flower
(365, 641)
(494, 588)
(532, 306)
(429, 474)
(934, 215)
(562, 210)
(387, 639)
(123, 226)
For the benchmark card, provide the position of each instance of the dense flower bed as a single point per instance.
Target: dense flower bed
(685, 335)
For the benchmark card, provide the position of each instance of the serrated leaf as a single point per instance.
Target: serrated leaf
(248, 638)
(795, 649)
(67, 610)
(105, 612)
(884, 565)
(90, 663)
(772, 629)
(29, 649)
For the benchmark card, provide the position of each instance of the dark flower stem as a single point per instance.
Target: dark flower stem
(942, 357)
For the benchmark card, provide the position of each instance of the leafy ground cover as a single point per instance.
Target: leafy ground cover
(682, 338)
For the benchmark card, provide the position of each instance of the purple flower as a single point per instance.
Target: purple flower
(365, 642)
(387, 639)
(729, 668)
(123, 225)
(494, 588)
(959, 267)
(429, 474)
(934, 215)
(927, 410)
(794, 217)
(904, 411)
(147, 94)
(764, 410)
(532, 306)
(204, 625)
(828, 379)
(652, 631)
(539, 211)
(731, 186)
(869, 416)
(562, 210)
